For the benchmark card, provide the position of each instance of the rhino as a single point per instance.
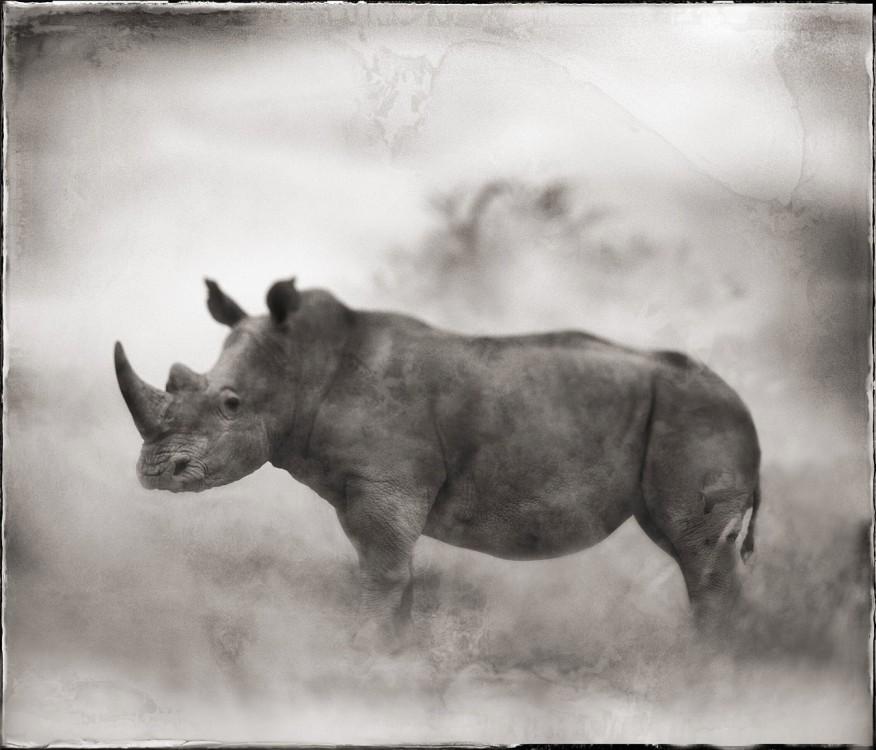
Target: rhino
(522, 447)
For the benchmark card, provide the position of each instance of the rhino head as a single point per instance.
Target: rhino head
(206, 430)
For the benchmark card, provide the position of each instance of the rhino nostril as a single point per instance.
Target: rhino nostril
(180, 466)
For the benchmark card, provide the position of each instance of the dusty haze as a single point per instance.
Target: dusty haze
(684, 177)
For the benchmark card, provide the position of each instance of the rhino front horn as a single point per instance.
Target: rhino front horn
(146, 404)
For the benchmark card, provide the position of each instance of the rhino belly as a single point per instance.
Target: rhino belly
(527, 524)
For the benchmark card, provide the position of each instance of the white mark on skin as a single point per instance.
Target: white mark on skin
(743, 531)
(732, 525)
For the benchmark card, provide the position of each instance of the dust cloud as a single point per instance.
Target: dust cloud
(693, 178)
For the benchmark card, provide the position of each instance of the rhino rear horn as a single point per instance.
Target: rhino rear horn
(223, 309)
(146, 404)
(283, 298)
(182, 378)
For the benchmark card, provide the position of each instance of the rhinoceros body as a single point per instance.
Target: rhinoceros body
(521, 447)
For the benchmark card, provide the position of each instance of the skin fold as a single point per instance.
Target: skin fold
(522, 447)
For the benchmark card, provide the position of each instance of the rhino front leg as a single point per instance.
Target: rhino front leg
(383, 521)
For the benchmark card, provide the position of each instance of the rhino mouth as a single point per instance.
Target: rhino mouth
(177, 474)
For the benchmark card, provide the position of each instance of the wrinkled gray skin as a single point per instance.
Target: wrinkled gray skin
(521, 447)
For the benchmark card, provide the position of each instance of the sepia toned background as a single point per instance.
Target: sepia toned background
(683, 177)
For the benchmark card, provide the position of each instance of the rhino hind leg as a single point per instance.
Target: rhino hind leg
(700, 493)
(708, 555)
(706, 542)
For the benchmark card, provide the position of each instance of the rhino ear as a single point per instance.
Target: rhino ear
(223, 309)
(283, 298)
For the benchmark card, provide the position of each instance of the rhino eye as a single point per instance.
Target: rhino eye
(230, 404)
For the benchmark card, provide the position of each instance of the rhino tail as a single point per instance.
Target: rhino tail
(748, 542)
